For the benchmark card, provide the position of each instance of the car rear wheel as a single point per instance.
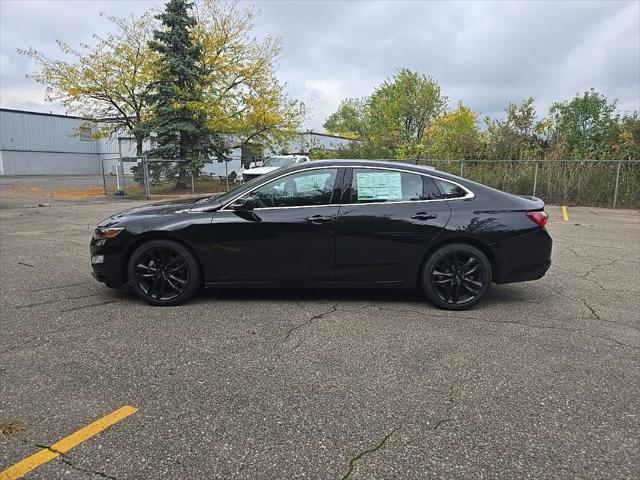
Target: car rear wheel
(456, 276)
(164, 273)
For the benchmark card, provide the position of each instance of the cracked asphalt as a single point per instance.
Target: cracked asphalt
(542, 380)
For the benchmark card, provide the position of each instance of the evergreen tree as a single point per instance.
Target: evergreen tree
(180, 130)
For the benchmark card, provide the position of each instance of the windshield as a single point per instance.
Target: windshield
(279, 162)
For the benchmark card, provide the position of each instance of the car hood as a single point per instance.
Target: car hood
(168, 207)
(259, 170)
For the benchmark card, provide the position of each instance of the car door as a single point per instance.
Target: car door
(288, 236)
(387, 219)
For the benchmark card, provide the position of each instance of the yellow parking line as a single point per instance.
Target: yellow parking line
(63, 446)
(565, 213)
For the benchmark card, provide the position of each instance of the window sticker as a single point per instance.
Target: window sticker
(379, 186)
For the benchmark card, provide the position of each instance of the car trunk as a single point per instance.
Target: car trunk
(528, 203)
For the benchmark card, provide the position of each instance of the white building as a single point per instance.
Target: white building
(33, 143)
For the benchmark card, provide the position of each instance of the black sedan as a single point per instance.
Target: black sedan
(335, 223)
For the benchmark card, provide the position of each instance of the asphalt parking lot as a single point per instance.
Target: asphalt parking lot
(540, 381)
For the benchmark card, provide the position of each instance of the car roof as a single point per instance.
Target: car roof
(366, 163)
(396, 165)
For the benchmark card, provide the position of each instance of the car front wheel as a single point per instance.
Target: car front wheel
(456, 276)
(164, 273)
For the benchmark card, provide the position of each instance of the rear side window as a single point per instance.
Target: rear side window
(378, 186)
(450, 190)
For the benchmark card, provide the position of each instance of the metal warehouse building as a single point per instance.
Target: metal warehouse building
(33, 143)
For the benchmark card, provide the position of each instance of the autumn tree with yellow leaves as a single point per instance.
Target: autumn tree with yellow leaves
(111, 81)
(107, 82)
(242, 96)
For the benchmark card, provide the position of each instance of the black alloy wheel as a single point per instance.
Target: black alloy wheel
(456, 276)
(163, 272)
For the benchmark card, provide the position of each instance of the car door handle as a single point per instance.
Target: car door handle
(319, 219)
(424, 216)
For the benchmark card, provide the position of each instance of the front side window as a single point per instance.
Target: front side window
(312, 187)
(379, 186)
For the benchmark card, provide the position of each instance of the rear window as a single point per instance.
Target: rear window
(431, 190)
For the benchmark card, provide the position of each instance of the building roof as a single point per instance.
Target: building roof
(29, 112)
(59, 115)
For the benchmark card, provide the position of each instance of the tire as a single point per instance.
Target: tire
(456, 276)
(163, 273)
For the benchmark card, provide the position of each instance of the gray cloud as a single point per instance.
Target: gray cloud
(483, 53)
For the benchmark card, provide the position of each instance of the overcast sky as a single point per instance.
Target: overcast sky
(483, 53)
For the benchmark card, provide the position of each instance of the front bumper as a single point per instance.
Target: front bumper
(112, 269)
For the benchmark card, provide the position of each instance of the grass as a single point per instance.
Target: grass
(560, 183)
(11, 427)
(202, 186)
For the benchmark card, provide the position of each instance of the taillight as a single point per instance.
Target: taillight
(540, 218)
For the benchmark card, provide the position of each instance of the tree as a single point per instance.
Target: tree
(391, 122)
(515, 137)
(107, 83)
(401, 108)
(349, 120)
(180, 129)
(454, 136)
(238, 96)
(628, 145)
(241, 97)
(587, 125)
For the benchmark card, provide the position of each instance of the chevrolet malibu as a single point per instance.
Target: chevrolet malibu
(334, 223)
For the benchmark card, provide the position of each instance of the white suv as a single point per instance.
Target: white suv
(273, 163)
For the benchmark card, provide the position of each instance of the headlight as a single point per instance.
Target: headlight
(106, 232)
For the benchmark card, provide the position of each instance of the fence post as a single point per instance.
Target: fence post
(226, 173)
(145, 178)
(193, 185)
(615, 190)
(535, 180)
(120, 164)
(461, 167)
(104, 180)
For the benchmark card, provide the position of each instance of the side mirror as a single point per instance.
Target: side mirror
(243, 204)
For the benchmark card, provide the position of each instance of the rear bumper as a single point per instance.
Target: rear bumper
(523, 258)
(527, 273)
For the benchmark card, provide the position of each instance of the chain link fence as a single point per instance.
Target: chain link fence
(145, 177)
(603, 183)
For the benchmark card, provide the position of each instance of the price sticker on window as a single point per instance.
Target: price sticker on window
(379, 186)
